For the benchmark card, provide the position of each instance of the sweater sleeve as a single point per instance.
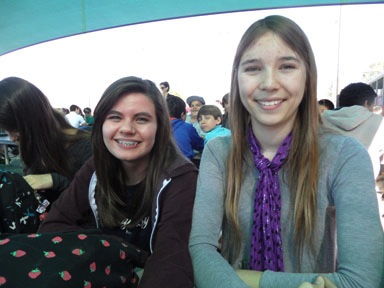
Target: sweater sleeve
(360, 239)
(170, 264)
(72, 211)
(359, 234)
(350, 189)
(210, 268)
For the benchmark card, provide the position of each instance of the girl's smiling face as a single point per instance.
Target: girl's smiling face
(129, 129)
(271, 78)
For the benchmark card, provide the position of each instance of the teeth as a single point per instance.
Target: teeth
(127, 143)
(269, 103)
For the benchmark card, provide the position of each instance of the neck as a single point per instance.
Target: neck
(135, 172)
(270, 139)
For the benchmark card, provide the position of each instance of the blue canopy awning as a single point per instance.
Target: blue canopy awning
(28, 22)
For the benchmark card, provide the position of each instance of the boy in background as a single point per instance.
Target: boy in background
(185, 134)
(210, 118)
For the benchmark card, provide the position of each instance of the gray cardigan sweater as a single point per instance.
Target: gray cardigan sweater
(351, 257)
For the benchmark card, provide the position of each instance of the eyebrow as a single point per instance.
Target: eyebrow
(136, 115)
(257, 60)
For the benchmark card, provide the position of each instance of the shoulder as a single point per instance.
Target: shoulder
(330, 141)
(336, 149)
(180, 166)
(225, 131)
(217, 147)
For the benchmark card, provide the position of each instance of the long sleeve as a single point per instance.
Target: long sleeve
(346, 185)
(79, 152)
(71, 211)
(170, 264)
(349, 238)
(210, 268)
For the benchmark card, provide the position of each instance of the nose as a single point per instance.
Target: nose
(127, 127)
(269, 80)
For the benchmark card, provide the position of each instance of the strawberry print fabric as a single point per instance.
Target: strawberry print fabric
(79, 259)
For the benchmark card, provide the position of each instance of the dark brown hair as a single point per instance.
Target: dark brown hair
(110, 190)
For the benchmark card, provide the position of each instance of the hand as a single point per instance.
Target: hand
(250, 277)
(321, 282)
(39, 181)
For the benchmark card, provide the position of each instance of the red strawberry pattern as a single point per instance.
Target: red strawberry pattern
(49, 254)
(33, 274)
(57, 240)
(3, 280)
(123, 279)
(82, 236)
(105, 243)
(18, 253)
(78, 251)
(34, 235)
(4, 241)
(122, 254)
(65, 275)
(108, 270)
(92, 267)
(39, 257)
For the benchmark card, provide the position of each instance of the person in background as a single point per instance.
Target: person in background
(185, 134)
(75, 117)
(51, 150)
(88, 116)
(226, 107)
(325, 104)
(209, 118)
(355, 118)
(164, 87)
(275, 191)
(63, 111)
(137, 186)
(195, 103)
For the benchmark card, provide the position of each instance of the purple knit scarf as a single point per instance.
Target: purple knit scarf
(266, 243)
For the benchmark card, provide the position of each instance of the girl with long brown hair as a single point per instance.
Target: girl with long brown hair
(137, 186)
(273, 193)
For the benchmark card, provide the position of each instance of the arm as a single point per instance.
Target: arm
(71, 210)
(196, 140)
(347, 182)
(210, 268)
(170, 264)
(80, 151)
(358, 223)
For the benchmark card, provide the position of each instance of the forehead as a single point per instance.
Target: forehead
(268, 45)
(133, 102)
(196, 102)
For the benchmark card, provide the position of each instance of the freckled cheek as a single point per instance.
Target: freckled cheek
(246, 86)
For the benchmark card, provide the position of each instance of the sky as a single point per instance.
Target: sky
(195, 54)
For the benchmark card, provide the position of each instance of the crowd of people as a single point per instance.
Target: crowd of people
(78, 118)
(271, 192)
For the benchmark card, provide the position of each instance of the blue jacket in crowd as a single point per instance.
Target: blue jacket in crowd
(186, 137)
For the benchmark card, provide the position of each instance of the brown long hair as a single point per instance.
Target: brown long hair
(302, 162)
(110, 191)
(44, 132)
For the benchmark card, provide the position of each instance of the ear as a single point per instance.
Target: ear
(369, 107)
(218, 120)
